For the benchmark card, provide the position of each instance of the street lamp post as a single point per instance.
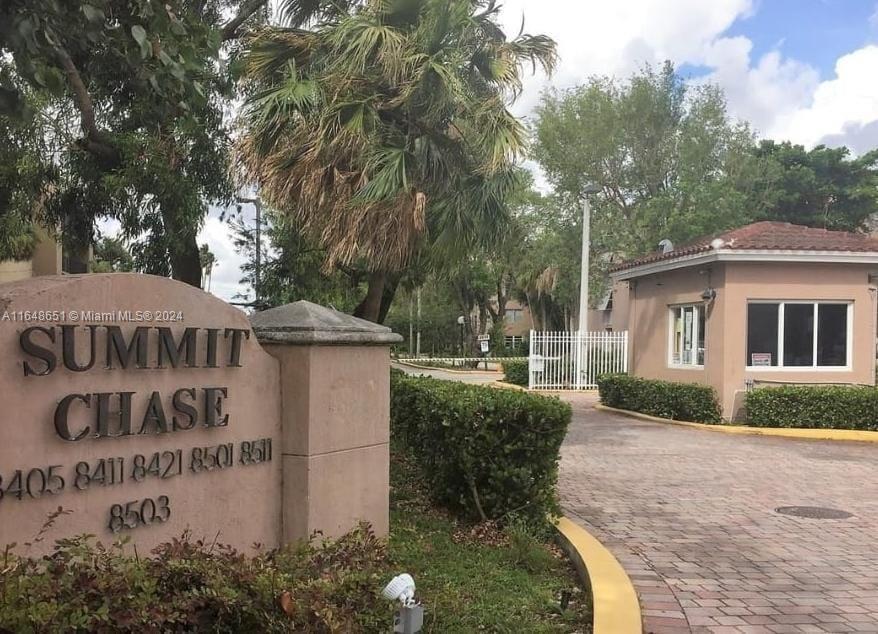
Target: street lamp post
(460, 322)
(583, 277)
(586, 246)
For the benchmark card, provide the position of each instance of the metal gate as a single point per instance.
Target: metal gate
(574, 360)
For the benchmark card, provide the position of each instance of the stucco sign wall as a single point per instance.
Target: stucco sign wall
(140, 406)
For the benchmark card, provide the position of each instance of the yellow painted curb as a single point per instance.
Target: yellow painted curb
(508, 386)
(512, 386)
(428, 367)
(850, 435)
(614, 600)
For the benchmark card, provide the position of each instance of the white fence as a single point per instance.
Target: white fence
(574, 360)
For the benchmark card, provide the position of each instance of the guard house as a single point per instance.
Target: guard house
(769, 303)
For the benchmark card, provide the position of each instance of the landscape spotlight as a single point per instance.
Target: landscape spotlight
(410, 617)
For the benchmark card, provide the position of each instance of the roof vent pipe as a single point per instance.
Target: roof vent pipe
(666, 246)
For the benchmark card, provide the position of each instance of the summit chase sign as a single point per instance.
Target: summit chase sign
(135, 405)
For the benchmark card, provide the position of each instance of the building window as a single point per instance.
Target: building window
(799, 334)
(687, 336)
(513, 315)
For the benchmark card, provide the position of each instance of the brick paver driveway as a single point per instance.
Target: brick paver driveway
(691, 516)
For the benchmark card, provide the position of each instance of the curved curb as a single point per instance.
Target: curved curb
(614, 601)
(508, 386)
(512, 386)
(849, 435)
(428, 367)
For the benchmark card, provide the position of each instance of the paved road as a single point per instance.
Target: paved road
(463, 377)
(691, 516)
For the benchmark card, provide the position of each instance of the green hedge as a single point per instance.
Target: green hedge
(479, 447)
(516, 372)
(678, 401)
(829, 407)
(195, 586)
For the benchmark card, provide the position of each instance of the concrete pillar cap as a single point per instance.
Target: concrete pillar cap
(306, 323)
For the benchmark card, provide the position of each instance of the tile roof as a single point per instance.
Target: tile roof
(767, 236)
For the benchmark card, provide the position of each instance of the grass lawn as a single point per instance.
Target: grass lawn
(474, 577)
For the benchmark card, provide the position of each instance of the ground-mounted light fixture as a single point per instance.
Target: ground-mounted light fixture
(409, 619)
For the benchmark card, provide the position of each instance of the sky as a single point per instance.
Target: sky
(799, 70)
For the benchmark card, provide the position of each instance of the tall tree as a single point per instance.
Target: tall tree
(822, 187)
(145, 82)
(548, 268)
(669, 160)
(382, 126)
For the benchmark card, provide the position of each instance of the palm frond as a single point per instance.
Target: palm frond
(383, 126)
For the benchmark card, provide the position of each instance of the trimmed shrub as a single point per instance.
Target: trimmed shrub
(516, 372)
(678, 401)
(828, 407)
(485, 452)
(192, 586)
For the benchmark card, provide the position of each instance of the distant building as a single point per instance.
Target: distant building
(518, 322)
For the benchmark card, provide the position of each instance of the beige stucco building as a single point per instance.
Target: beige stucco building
(769, 303)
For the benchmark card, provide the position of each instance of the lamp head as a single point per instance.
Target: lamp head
(401, 588)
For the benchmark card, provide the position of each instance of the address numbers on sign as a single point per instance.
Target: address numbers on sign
(139, 513)
(162, 465)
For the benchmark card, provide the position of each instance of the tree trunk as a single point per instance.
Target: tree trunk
(370, 307)
(501, 300)
(387, 296)
(483, 317)
(77, 259)
(77, 245)
(182, 249)
(533, 305)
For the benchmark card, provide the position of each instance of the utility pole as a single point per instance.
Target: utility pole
(586, 247)
(418, 346)
(411, 327)
(257, 282)
(583, 281)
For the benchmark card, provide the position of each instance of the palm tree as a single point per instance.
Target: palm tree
(208, 261)
(382, 126)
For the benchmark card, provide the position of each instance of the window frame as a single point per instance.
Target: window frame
(699, 309)
(781, 304)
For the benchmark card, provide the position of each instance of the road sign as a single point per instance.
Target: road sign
(484, 344)
(484, 337)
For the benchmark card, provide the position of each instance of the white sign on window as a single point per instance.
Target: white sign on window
(760, 359)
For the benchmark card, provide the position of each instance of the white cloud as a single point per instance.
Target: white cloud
(618, 37)
(840, 106)
(780, 96)
(765, 93)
